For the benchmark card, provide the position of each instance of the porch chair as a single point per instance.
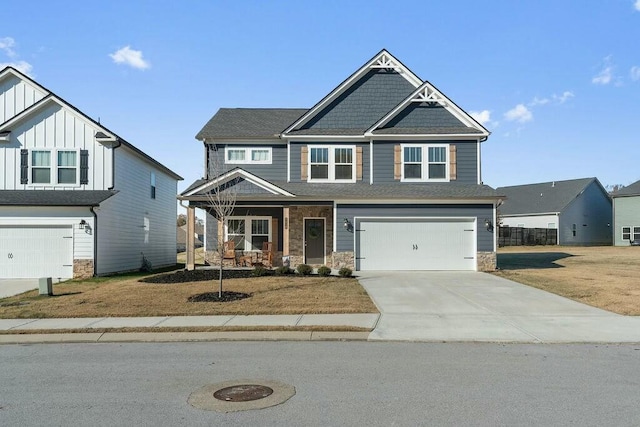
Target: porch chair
(230, 251)
(266, 256)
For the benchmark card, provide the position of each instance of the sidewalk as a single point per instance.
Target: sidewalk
(360, 320)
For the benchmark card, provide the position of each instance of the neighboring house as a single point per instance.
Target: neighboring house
(76, 200)
(181, 237)
(626, 215)
(580, 209)
(383, 173)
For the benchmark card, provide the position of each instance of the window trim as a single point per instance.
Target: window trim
(331, 176)
(247, 230)
(53, 167)
(248, 151)
(424, 171)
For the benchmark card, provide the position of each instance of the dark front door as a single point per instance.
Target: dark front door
(314, 241)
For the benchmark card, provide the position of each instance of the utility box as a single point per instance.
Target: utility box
(45, 286)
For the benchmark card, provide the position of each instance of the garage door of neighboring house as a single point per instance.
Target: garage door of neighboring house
(31, 252)
(416, 244)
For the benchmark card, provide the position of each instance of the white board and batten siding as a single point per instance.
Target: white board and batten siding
(16, 96)
(415, 244)
(43, 241)
(55, 127)
(131, 222)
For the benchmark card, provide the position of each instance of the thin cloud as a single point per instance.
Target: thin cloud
(635, 70)
(483, 117)
(538, 101)
(6, 45)
(566, 95)
(520, 113)
(605, 76)
(130, 57)
(22, 66)
(636, 5)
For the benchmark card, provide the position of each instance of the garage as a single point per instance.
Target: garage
(415, 244)
(36, 251)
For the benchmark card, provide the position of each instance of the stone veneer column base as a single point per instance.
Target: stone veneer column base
(82, 268)
(487, 261)
(343, 259)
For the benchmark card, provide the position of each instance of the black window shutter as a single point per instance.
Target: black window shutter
(24, 166)
(84, 166)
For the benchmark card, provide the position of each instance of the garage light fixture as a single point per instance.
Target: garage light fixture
(83, 224)
(488, 224)
(347, 225)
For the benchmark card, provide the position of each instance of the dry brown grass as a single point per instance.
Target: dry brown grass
(181, 257)
(606, 277)
(126, 297)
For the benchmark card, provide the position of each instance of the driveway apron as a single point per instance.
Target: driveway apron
(11, 287)
(470, 306)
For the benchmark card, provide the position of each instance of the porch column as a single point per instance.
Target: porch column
(285, 231)
(191, 238)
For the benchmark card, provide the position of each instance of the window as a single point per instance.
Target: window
(424, 163)
(54, 167)
(153, 185)
(636, 234)
(248, 233)
(333, 164)
(247, 155)
(627, 233)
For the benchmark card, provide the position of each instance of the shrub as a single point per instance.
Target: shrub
(259, 271)
(345, 272)
(324, 271)
(283, 270)
(304, 269)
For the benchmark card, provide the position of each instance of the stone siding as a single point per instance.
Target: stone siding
(487, 261)
(343, 259)
(82, 268)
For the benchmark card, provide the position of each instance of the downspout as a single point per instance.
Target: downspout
(95, 241)
(113, 166)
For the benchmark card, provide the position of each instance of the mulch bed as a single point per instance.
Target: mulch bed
(227, 296)
(184, 276)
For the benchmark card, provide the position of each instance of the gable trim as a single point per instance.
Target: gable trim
(381, 60)
(426, 92)
(236, 173)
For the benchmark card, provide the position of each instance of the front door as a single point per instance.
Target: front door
(314, 241)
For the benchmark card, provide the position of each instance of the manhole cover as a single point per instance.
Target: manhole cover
(243, 393)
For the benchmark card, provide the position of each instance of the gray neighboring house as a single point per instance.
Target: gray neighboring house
(626, 215)
(383, 173)
(580, 209)
(181, 237)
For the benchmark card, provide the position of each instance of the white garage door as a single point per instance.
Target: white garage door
(31, 252)
(416, 244)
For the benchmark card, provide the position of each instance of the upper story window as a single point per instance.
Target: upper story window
(153, 185)
(425, 162)
(332, 164)
(247, 155)
(54, 167)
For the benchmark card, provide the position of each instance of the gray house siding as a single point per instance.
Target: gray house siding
(345, 239)
(627, 214)
(466, 153)
(295, 147)
(369, 99)
(591, 212)
(276, 171)
(212, 224)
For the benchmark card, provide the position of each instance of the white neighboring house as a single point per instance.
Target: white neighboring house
(76, 200)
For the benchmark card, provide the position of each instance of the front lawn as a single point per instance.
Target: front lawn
(126, 296)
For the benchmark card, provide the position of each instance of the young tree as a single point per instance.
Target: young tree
(222, 202)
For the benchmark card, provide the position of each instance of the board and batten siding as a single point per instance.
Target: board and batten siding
(627, 214)
(592, 213)
(131, 223)
(51, 128)
(37, 216)
(295, 152)
(276, 171)
(345, 239)
(466, 156)
(16, 96)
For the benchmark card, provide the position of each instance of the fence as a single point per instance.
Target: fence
(519, 236)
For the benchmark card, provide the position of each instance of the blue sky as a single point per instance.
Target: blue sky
(556, 82)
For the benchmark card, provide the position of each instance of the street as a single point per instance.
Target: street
(336, 383)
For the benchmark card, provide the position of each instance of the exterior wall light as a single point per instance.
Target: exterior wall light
(83, 224)
(347, 225)
(488, 224)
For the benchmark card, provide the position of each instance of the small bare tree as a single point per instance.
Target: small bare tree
(222, 201)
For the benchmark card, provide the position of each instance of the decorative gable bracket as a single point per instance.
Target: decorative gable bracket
(430, 96)
(5, 136)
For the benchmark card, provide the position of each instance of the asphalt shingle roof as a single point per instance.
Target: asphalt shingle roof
(249, 122)
(54, 197)
(544, 197)
(629, 190)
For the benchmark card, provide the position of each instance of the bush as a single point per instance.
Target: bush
(345, 272)
(259, 271)
(324, 271)
(283, 270)
(304, 269)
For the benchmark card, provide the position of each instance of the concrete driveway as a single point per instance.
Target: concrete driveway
(10, 287)
(470, 306)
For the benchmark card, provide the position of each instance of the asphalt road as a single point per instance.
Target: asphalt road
(337, 383)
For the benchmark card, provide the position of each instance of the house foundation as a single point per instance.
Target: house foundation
(82, 268)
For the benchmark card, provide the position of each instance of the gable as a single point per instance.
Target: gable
(545, 197)
(17, 94)
(360, 106)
